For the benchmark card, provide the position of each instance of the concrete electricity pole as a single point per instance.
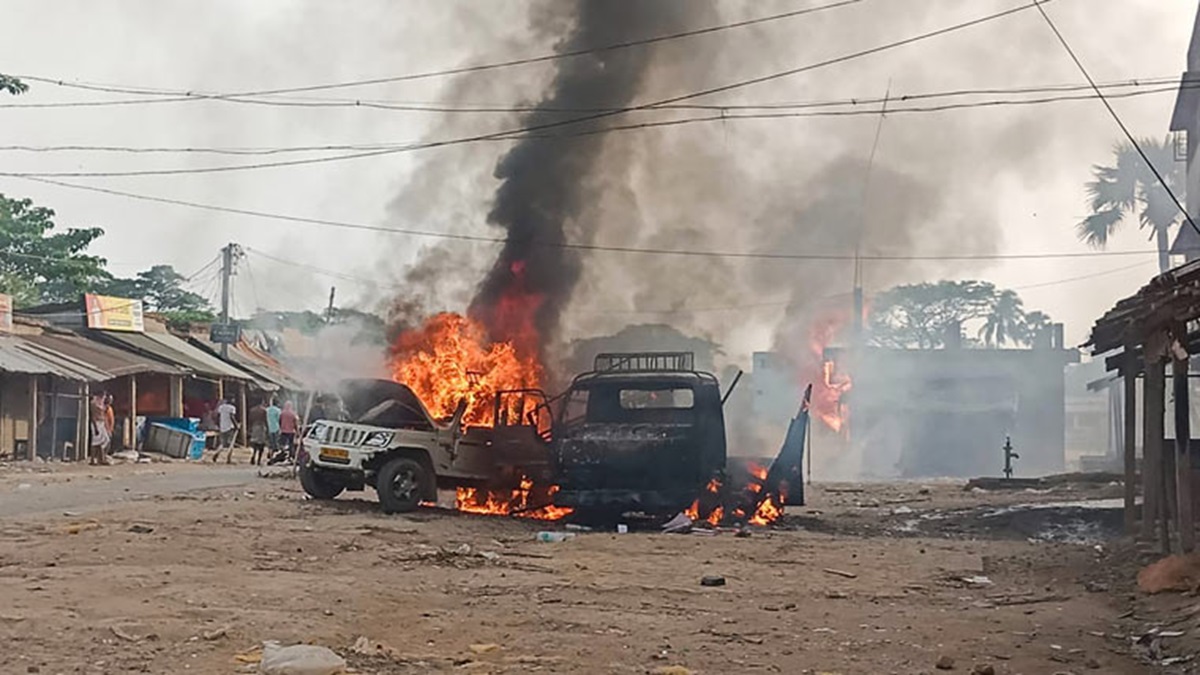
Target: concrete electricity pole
(229, 256)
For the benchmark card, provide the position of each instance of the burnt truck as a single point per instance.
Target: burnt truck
(391, 443)
(641, 432)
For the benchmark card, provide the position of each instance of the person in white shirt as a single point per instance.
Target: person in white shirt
(227, 425)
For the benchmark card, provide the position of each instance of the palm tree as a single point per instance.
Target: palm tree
(1034, 325)
(1130, 185)
(1004, 321)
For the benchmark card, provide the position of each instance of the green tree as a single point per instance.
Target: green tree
(1004, 320)
(12, 85)
(40, 265)
(1034, 325)
(920, 316)
(161, 289)
(1129, 187)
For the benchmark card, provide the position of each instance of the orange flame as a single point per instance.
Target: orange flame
(450, 359)
(525, 501)
(829, 385)
(713, 517)
(768, 507)
(453, 358)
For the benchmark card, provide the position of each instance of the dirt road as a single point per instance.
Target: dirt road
(86, 488)
(887, 579)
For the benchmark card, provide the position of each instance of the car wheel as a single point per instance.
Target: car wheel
(319, 484)
(402, 484)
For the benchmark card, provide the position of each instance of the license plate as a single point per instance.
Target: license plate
(335, 454)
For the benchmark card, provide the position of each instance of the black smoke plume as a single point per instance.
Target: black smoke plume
(546, 183)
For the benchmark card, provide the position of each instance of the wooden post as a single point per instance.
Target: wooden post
(1152, 440)
(1130, 371)
(132, 413)
(243, 432)
(54, 418)
(82, 434)
(33, 416)
(1183, 433)
(176, 404)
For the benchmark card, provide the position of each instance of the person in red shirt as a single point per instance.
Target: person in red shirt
(289, 426)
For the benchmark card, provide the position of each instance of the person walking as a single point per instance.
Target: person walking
(257, 419)
(110, 420)
(289, 426)
(227, 426)
(98, 426)
(274, 415)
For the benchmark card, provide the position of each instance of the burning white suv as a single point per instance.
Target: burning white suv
(395, 446)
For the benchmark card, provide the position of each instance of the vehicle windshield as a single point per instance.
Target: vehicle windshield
(630, 403)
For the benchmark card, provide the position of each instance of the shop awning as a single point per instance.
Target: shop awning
(20, 356)
(110, 361)
(170, 349)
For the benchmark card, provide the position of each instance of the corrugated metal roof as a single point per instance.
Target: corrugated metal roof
(109, 360)
(19, 356)
(269, 373)
(170, 349)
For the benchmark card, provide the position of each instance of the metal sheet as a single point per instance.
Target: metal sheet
(18, 356)
(111, 361)
(170, 349)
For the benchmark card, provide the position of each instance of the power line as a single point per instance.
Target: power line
(753, 255)
(1085, 277)
(494, 108)
(465, 69)
(1112, 111)
(644, 125)
(783, 304)
(561, 123)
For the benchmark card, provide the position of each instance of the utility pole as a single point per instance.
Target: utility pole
(329, 310)
(229, 256)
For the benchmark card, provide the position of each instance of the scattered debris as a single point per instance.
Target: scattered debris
(977, 580)
(554, 537)
(1173, 573)
(140, 529)
(712, 581)
(364, 646)
(944, 663)
(299, 660)
(840, 573)
(672, 670)
(215, 634)
(680, 524)
(983, 669)
(485, 648)
(76, 528)
(132, 633)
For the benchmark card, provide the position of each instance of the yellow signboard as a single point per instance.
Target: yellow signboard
(118, 314)
(6, 313)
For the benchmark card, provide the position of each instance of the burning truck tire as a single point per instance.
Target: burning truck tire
(320, 484)
(402, 484)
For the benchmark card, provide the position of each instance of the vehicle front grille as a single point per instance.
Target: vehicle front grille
(344, 436)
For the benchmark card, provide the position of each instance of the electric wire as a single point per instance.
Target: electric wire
(740, 84)
(505, 108)
(724, 117)
(754, 255)
(785, 304)
(1112, 111)
(467, 69)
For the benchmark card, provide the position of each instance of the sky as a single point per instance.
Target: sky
(1019, 174)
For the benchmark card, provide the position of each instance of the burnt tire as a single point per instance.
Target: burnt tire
(402, 483)
(319, 484)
